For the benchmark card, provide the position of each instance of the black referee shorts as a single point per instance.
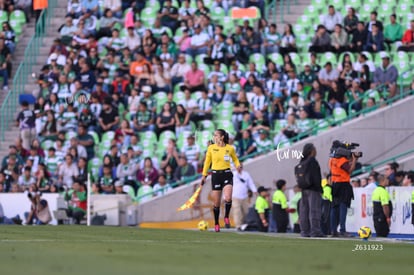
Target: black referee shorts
(221, 178)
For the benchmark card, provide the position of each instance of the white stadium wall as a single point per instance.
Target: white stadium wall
(382, 134)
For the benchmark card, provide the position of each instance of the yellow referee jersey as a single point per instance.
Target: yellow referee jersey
(219, 158)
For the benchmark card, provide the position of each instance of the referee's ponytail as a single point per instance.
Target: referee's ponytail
(225, 135)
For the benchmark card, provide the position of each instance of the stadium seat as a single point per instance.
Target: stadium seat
(182, 138)
(227, 125)
(18, 16)
(328, 57)
(277, 58)
(217, 14)
(339, 114)
(4, 16)
(153, 4)
(178, 97)
(95, 137)
(93, 168)
(160, 98)
(46, 144)
(206, 125)
(278, 125)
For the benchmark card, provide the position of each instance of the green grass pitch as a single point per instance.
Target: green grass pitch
(115, 250)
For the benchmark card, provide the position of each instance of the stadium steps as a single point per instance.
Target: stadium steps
(382, 134)
(28, 30)
(297, 9)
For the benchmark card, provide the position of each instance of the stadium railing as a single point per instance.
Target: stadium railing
(368, 168)
(24, 70)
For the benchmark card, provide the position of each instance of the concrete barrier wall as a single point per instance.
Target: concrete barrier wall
(381, 134)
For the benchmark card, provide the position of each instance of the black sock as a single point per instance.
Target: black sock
(228, 207)
(216, 215)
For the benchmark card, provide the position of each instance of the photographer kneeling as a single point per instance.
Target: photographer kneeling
(341, 163)
(39, 211)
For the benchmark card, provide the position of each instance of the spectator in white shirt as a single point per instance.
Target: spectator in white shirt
(328, 75)
(67, 171)
(132, 40)
(179, 70)
(242, 184)
(259, 102)
(331, 19)
(199, 42)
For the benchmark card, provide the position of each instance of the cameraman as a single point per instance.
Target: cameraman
(342, 193)
(39, 212)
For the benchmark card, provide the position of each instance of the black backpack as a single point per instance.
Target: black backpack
(302, 174)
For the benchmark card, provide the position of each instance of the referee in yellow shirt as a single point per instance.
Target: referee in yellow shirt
(218, 157)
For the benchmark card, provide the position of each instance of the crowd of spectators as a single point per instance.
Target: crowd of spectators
(395, 176)
(130, 79)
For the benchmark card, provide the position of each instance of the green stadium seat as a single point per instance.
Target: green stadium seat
(341, 57)
(217, 14)
(153, 4)
(277, 58)
(295, 59)
(356, 4)
(95, 137)
(160, 98)
(4, 16)
(178, 97)
(339, 114)
(227, 125)
(16, 26)
(18, 16)
(47, 144)
(278, 125)
(93, 168)
(182, 138)
(328, 57)
(206, 125)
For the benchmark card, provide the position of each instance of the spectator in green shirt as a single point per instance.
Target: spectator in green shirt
(393, 32)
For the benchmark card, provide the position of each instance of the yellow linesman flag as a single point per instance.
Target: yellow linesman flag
(188, 204)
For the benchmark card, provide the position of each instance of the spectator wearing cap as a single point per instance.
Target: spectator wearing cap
(408, 39)
(321, 42)
(393, 32)
(373, 21)
(26, 123)
(199, 42)
(328, 75)
(339, 39)
(350, 21)
(263, 143)
(149, 99)
(386, 74)
(375, 40)
(331, 19)
(169, 15)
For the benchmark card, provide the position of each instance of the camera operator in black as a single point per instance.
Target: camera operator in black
(341, 164)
